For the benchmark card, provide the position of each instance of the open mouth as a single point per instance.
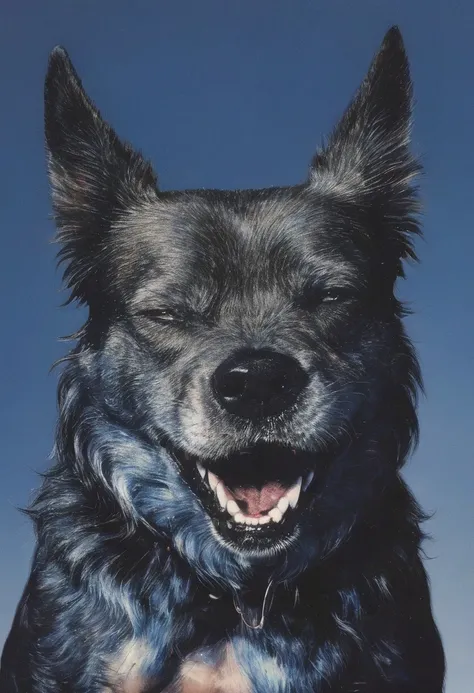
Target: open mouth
(256, 493)
(252, 505)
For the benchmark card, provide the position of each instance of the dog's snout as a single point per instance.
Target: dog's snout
(259, 383)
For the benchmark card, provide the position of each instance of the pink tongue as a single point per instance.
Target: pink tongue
(254, 501)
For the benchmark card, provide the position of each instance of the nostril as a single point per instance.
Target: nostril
(233, 384)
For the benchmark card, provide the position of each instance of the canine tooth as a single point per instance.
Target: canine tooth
(201, 470)
(308, 481)
(275, 514)
(264, 520)
(283, 504)
(232, 507)
(213, 480)
(239, 517)
(294, 493)
(221, 495)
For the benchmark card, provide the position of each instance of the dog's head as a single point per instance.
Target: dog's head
(243, 356)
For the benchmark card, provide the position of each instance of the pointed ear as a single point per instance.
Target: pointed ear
(368, 151)
(94, 176)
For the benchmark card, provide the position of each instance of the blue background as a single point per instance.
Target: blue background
(238, 94)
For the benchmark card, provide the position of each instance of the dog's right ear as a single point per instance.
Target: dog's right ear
(94, 176)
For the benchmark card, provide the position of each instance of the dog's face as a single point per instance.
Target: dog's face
(250, 340)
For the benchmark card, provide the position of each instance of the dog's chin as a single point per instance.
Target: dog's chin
(257, 497)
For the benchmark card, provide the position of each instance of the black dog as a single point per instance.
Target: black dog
(226, 512)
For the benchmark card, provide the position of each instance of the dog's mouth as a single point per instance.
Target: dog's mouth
(256, 493)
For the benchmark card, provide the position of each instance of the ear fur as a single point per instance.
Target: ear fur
(94, 176)
(368, 149)
(367, 160)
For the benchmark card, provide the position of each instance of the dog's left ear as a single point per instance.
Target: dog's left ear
(368, 155)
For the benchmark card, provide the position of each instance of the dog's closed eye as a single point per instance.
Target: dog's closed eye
(330, 295)
(314, 296)
(161, 315)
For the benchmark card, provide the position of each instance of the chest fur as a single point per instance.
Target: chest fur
(215, 671)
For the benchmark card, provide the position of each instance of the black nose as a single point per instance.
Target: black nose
(259, 383)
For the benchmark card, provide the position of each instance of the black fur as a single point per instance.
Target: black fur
(133, 549)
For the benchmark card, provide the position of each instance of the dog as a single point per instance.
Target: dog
(226, 513)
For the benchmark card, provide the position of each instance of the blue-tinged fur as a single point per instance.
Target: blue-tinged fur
(129, 547)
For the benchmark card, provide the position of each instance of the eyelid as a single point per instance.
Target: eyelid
(316, 295)
(159, 313)
(170, 315)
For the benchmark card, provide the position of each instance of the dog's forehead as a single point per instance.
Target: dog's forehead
(268, 235)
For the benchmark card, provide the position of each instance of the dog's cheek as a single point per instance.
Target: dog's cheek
(125, 380)
(362, 353)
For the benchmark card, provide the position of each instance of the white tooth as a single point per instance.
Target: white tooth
(248, 520)
(213, 480)
(201, 470)
(221, 495)
(232, 507)
(264, 520)
(308, 481)
(283, 504)
(294, 493)
(275, 514)
(239, 518)
(255, 520)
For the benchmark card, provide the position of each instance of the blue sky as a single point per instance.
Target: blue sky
(238, 94)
